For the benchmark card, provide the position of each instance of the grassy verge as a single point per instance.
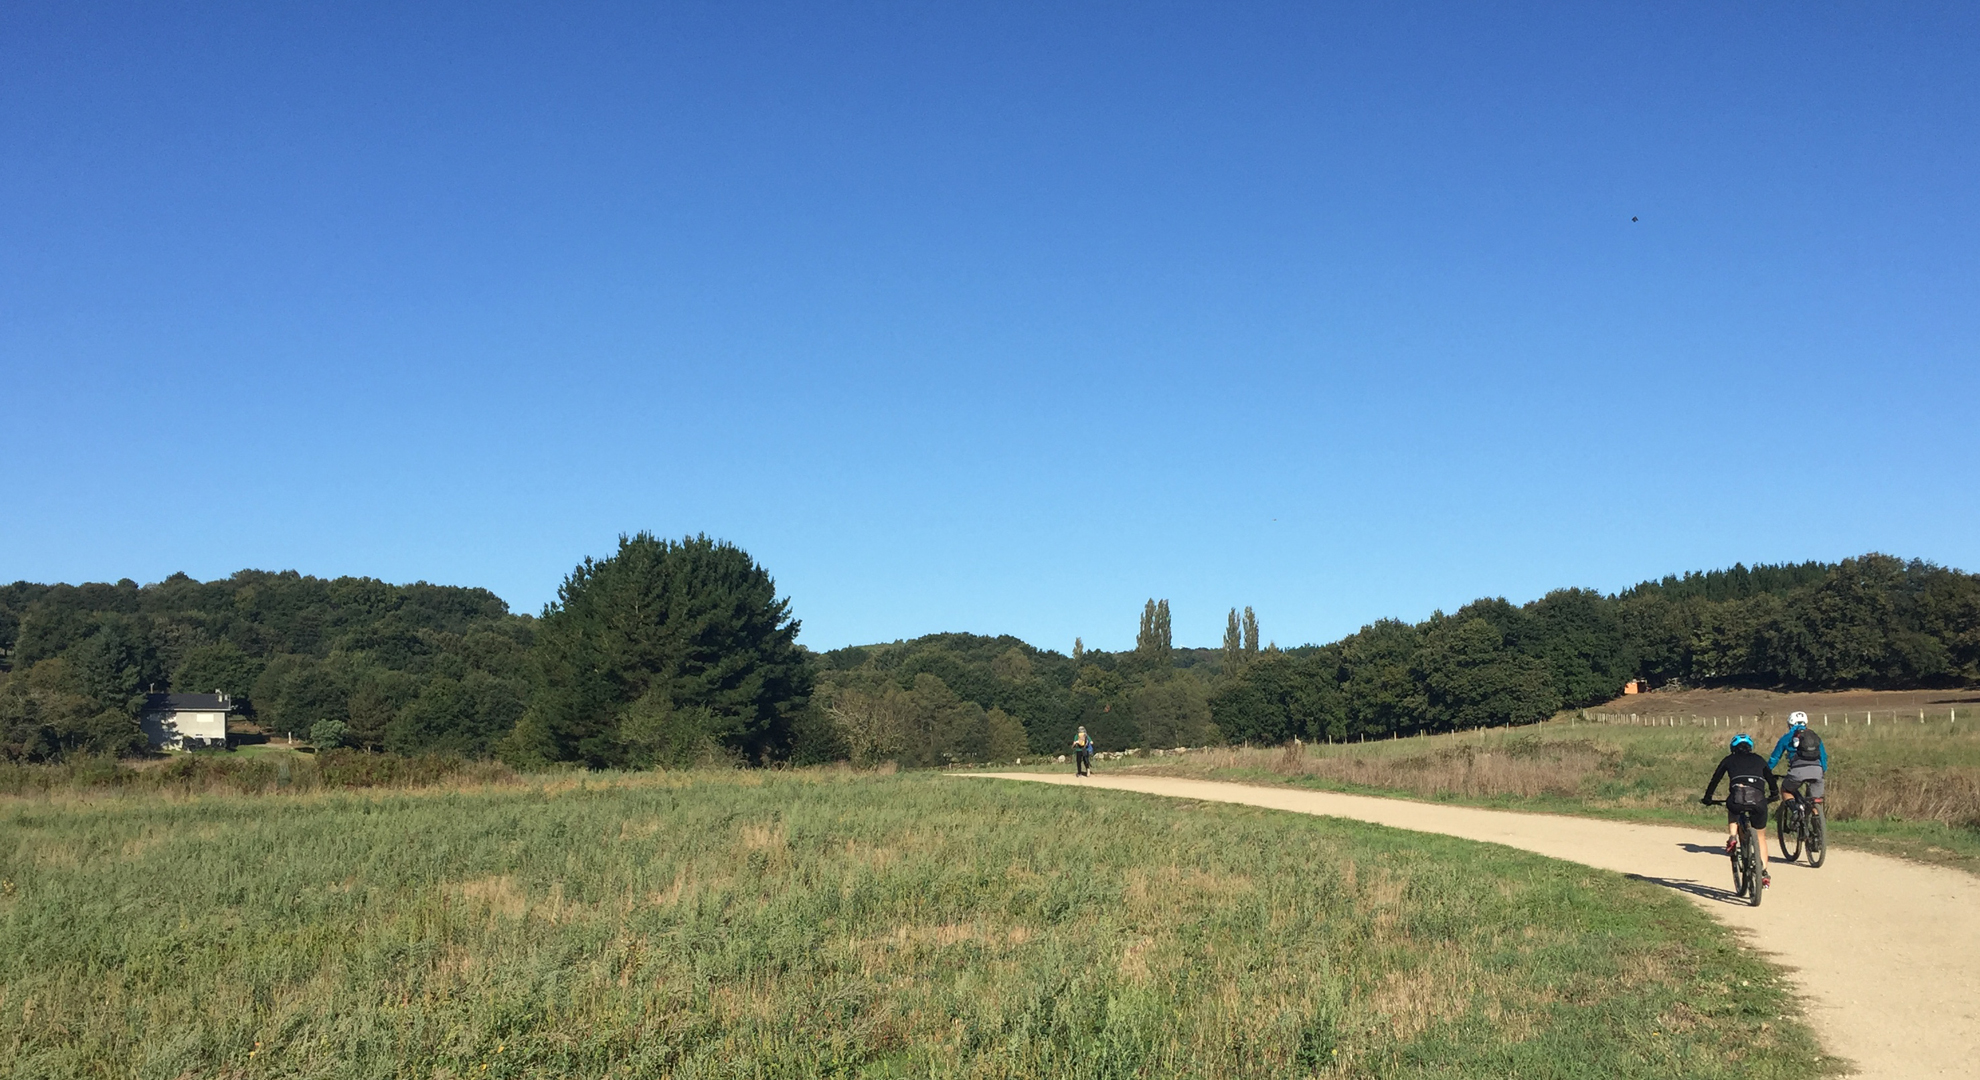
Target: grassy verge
(1902, 789)
(248, 770)
(727, 924)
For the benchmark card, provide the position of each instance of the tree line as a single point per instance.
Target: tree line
(1873, 621)
(404, 668)
(670, 653)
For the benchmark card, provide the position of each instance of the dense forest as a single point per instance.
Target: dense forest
(678, 652)
(405, 668)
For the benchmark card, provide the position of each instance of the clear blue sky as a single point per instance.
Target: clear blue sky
(986, 317)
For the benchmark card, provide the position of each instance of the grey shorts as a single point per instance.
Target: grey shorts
(1805, 776)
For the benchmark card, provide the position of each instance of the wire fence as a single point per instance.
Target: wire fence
(1862, 718)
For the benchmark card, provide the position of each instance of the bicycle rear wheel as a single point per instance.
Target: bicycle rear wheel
(1785, 821)
(1818, 836)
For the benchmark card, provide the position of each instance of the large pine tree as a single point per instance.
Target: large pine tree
(666, 652)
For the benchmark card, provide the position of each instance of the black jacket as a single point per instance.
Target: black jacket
(1744, 763)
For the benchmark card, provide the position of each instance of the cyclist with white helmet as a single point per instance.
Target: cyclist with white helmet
(1807, 758)
(1751, 785)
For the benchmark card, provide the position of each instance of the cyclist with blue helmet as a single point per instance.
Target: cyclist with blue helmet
(1807, 758)
(1751, 785)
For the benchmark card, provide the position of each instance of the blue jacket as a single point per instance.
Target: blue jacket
(1787, 743)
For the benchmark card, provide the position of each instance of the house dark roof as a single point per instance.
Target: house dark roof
(187, 702)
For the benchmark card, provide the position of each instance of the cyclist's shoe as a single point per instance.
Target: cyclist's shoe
(1766, 882)
(1732, 847)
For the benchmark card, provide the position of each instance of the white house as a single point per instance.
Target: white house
(183, 721)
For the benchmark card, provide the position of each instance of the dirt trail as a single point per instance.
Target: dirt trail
(1887, 951)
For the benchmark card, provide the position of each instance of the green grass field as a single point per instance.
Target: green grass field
(835, 924)
(1901, 788)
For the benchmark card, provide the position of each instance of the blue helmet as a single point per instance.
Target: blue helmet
(1742, 741)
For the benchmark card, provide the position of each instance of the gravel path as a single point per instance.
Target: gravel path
(1887, 951)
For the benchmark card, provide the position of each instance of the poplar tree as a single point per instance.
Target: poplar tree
(1152, 644)
(1250, 633)
(1233, 644)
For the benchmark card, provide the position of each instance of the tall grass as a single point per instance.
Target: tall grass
(1525, 769)
(249, 773)
(834, 924)
(1948, 794)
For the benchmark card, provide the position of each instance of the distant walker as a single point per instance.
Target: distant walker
(1082, 753)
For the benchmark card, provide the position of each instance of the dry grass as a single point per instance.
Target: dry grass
(1464, 772)
(251, 771)
(1946, 794)
(1520, 769)
(496, 894)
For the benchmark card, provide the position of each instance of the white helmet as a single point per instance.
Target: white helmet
(1798, 719)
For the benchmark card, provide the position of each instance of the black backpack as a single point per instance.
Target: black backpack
(1807, 748)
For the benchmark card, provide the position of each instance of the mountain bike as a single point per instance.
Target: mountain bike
(1747, 871)
(1802, 826)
